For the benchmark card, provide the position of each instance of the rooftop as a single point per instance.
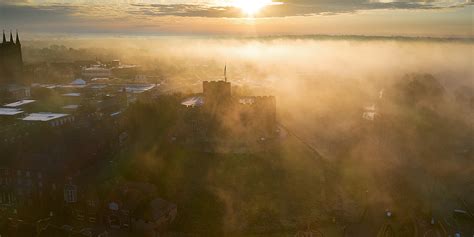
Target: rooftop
(19, 103)
(138, 88)
(96, 68)
(193, 101)
(72, 94)
(43, 116)
(100, 79)
(49, 86)
(10, 111)
(71, 86)
(71, 107)
(78, 82)
(126, 66)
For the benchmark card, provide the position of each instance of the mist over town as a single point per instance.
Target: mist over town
(236, 119)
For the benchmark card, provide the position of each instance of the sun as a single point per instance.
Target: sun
(251, 7)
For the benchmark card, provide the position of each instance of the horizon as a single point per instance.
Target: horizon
(27, 38)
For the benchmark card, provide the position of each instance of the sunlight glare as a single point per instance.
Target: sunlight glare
(251, 7)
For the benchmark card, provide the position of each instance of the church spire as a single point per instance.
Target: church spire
(11, 37)
(4, 39)
(17, 38)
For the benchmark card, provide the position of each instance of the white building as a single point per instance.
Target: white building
(53, 119)
(96, 71)
(10, 111)
(19, 103)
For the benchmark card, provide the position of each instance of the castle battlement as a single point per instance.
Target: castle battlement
(216, 82)
(264, 98)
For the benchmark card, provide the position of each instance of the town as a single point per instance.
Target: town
(57, 138)
(154, 137)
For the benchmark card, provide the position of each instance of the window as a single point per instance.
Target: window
(70, 194)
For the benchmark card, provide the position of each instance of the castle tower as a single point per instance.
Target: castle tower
(216, 90)
(217, 94)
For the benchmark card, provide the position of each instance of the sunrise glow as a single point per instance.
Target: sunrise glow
(251, 7)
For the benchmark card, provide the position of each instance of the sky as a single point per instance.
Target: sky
(431, 18)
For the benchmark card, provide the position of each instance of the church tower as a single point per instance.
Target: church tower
(11, 59)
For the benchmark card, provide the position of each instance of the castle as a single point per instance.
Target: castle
(11, 59)
(254, 114)
(217, 116)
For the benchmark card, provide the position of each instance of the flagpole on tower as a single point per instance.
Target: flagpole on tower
(225, 72)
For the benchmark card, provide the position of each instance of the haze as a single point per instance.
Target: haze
(237, 118)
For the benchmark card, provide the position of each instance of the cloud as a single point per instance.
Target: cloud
(291, 8)
(23, 14)
(194, 8)
(135, 15)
